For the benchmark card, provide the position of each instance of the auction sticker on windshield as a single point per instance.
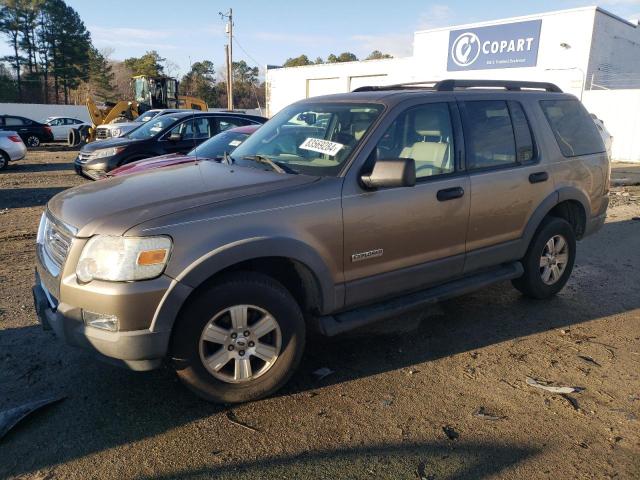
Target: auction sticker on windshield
(321, 146)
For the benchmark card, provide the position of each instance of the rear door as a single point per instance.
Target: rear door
(402, 239)
(508, 180)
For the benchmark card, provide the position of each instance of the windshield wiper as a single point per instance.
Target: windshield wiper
(275, 166)
(228, 159)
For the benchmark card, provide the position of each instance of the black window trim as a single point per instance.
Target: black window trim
(517, 164)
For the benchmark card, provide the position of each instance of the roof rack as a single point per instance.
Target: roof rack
(452, 85)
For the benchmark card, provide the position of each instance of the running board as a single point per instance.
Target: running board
(331, 325)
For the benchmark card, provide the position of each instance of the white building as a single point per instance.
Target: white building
(586, 51)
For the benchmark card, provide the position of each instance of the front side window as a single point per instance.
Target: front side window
(153, 127)
(193, 129)
(488, 134)
(425, 134)
(573, 127)
(309, 138)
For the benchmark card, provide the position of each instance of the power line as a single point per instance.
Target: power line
(247, 53)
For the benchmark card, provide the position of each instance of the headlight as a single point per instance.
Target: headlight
(106, 152)
(116, 132)
(122, 259)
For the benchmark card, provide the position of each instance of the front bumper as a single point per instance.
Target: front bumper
(94, 170)
(137, 345)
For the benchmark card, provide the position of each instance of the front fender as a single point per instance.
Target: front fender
(231, 254)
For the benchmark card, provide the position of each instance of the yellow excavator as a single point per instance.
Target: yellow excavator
(149, 93)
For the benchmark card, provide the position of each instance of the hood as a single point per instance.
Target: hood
(115, 205)
(108, 143)
(120, 125)
(151, 163)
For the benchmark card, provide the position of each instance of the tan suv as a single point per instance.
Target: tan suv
(340, 211)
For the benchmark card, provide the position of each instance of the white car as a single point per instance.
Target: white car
(60, 126)
(607, 138)
(11, 148)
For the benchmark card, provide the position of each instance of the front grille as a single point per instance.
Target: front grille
(83, 157)
(102, 133)
(56, 241)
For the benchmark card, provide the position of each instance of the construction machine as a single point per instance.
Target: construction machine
(149, 93)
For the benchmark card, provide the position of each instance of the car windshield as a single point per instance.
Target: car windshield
(216, 146)
(153, 127)
(313, 139)
(146, 116)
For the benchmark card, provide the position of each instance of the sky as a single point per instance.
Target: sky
(270, 31)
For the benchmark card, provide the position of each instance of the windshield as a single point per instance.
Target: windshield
(216, 146)
(146, 116)
(314, 139)
(153, 127)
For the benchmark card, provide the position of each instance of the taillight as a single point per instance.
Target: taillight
(15, 138)
(47, 128)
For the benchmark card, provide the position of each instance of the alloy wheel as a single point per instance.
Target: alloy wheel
(553, 261)
(33, 141)
(240, 343)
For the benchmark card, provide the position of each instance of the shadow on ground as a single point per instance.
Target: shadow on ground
(108, 407)
(16, 167)
(27, 197)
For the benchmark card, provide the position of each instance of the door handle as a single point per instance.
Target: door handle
(538, 177)
(449, 194)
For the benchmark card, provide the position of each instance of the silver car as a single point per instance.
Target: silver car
(113, 130)
(11, 148)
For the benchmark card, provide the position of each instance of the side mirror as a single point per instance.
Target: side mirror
(175, 137)
(388, 173)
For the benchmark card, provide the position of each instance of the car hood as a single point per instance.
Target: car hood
(108, 143)
(115, 205)
(151, 163)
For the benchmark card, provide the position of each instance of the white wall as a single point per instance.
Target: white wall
(619, 109)
(38, 111)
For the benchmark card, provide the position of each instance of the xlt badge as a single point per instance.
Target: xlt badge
(356, 257)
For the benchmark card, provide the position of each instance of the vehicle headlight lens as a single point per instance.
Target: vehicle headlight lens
(106, 152)
(116, 132)
(123, 259)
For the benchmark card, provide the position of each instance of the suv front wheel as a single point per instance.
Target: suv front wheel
(549, 259)
(239, 340)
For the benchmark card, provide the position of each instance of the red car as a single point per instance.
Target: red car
(212, 149)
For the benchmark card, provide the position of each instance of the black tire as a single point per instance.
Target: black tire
(73, 138)
(32, 141)
(237, 289)
(531, 283)
(4, 160)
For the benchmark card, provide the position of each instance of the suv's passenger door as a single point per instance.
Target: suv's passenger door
(508, 182)
(402, 239)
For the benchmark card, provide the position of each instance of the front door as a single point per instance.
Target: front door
(191, 132)
(403, 239)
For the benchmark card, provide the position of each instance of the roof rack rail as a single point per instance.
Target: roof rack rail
(452, 85)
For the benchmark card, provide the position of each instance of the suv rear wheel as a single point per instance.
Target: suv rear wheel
(549, 260)
(239, 340)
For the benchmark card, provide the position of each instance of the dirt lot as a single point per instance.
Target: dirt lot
(382, 413)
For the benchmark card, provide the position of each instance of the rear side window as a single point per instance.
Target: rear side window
(574, 129)
(488, 134)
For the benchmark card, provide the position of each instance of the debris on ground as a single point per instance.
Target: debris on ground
(572, 402)
(323, 372)
(450, 432)
(10, 418)
(589, 359)
(551, 388)
(483, 414)
(232, 418)
(422, 474)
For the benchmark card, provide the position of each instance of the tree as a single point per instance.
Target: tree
(343, 57)
(319, 61)
(243, 73)
(201, 82)
(297, 61)
(149, 64)
(8, 86)
(101, 75)
(10, 26)
(378, 55)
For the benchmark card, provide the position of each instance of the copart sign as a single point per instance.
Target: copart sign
(511, 45)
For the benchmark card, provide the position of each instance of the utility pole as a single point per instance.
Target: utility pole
(229, 55)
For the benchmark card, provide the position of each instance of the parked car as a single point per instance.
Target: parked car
(11, 148)
(607, 138)
(213, 149)
(407, 196)
(178, 132)
(60, 126)
(32, 133)
(113, 130)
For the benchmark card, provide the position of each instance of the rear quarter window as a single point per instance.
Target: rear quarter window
(573, 127)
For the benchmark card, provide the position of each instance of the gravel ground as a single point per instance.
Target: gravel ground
(402, 400)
